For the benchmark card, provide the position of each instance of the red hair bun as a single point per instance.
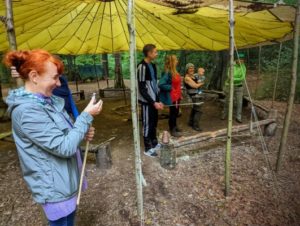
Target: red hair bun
(26, 61)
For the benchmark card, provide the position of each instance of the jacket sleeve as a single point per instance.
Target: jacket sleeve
(37, 126)
(141, 75)
(165, 82)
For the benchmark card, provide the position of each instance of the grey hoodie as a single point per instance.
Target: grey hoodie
(46, 144)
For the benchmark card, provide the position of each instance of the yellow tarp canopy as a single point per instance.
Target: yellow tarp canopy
(91, 26)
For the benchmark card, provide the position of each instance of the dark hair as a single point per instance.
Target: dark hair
(148, 48)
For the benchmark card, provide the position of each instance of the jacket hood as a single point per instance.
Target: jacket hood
(20, 96)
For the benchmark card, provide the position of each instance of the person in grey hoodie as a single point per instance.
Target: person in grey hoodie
(47, 139)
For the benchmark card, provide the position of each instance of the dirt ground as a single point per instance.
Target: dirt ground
(192, 194)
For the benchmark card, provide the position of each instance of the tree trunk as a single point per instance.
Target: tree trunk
(119, 82)
(105, 68)
(230, 107)
(219, 73)
(277, 73)
(182, 62)
(290, 105)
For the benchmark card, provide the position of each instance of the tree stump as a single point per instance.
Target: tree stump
(167, 153)
(102, 153)
(270, 130)
(167, 156)
(103, 157)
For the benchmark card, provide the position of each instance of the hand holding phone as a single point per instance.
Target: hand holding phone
(94, 107)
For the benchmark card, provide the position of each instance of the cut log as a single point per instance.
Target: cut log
(184, 141)
(103, 154)
(167, 156)
(103, 157)
(270, 130)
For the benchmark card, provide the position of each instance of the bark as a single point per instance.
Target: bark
(288, 114)
(219, 73)
(277, 73)
(105, 66)
(119, 82)
(96, 74)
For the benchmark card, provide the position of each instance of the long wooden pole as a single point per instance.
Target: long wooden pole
(230, 107)
(290, 105)
(133, 87)
(277, 74)
(11, 35)
(10, 25)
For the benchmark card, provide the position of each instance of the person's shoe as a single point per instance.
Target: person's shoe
(157, 147)
(174, 133)
(197, 128)
(178, 130)
(151, 153)
(239, 120)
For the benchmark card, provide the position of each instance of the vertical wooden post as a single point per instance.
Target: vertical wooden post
(10, 25)
(277, 73)
(290, 105)
(133, 87)
(230, 107)
(11, 35)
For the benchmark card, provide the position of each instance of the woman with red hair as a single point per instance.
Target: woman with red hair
(47, 139)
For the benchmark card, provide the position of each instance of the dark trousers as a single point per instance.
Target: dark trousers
(150, 119)
(64, 221)
(174, 112)
(196, 112)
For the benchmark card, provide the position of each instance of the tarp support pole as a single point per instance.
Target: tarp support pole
(134, 106)
(290, 104)
(277, 73)
(230, 107)
(11, 35)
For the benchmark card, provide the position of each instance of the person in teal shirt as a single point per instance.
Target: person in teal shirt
(239, 75)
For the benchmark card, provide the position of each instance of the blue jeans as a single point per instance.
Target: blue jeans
(64, 221)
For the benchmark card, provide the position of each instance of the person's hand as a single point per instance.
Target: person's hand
(90, 134)
(158, 106)
(94, 108)
(14, 72)
(200, 84)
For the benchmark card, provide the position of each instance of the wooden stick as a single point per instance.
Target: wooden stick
(82, 171)
(230, 104)
(134, 109)
(289, 110)
(183, 141)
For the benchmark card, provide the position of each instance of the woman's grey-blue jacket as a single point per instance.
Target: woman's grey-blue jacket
(46, 145)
